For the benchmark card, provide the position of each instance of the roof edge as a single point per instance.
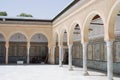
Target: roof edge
(64, 10)
(42, 20)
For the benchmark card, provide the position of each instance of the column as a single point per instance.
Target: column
(28, 52)
(53, 58)
(85, 73)
(49, 50)
(70, 56)
(7, 47)
(49, 55)
(110, 60)
(60, 56)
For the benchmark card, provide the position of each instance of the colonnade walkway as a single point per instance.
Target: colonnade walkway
(47, 72)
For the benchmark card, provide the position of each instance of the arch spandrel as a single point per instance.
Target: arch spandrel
(4, 35)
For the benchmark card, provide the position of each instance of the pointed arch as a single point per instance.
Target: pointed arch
(90, 16)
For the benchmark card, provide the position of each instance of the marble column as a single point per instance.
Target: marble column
(60, 56)
(28, 52)
(109, 60)
(53, 58)
(7, 47)
(70, 56)
(49, 54)
(85, 73)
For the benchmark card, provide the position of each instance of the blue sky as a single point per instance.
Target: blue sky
(42, 9)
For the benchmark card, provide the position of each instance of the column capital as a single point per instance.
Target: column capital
(85, 44)
(60, 45)
(109, 43)
(7, 44)
(70, 45)
(51, 44)
(28, 44)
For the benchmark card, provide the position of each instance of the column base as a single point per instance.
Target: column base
(60, 65)
(110, 79)
(28, 62)
(6, 63)
(70, 69)
(86, 73)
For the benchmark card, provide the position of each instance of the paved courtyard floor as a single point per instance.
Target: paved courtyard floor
(47, 72)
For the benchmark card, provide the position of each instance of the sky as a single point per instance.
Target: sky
(41, 9)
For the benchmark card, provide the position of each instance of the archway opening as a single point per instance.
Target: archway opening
(17, 49)
(97, 54)
(2, 49)
(116, 45)
(77, 46)
(56, 50)
(65, 48)
(39, 49)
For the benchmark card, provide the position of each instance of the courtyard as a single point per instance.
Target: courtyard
(81, 33)
(47, 72)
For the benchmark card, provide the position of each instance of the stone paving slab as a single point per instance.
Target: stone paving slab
(47, 72)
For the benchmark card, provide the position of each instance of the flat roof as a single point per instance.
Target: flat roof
(38, 20)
